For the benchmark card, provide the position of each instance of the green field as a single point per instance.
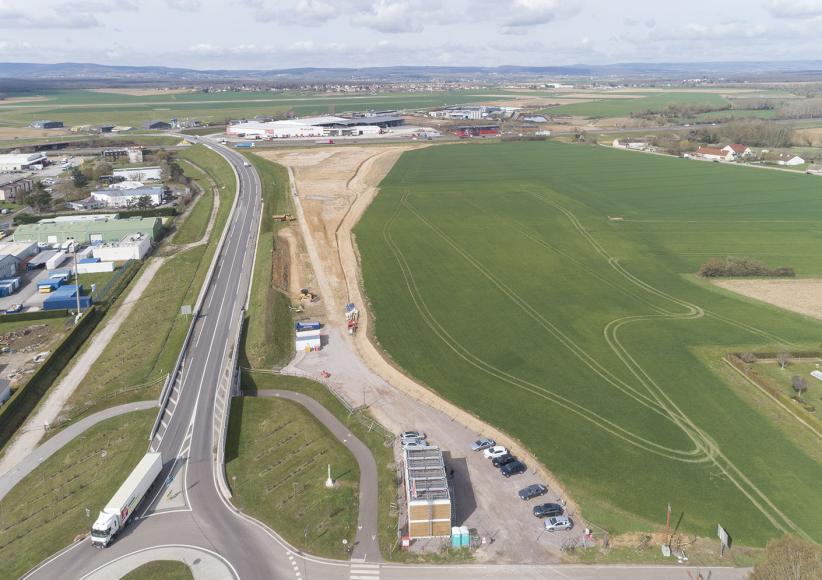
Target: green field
(277, 454)
(737, 114)
(626, 107)
(497, 278)
(83, 107)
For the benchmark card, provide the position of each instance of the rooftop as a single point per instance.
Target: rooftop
(425, 477)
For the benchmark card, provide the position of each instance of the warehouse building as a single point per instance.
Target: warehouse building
(133, 247)
(161, 125)
(47, 124)
(14, 187)
(22, 161)
(14, 256)
(428, 498)
(85, 231)
(139, 173)
(307, 127)
(134, 154)
(128, 196)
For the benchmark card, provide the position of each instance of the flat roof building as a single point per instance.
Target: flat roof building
(88, 231)
(128, 197)
(139, 173)
(427, 494)
(22, 161)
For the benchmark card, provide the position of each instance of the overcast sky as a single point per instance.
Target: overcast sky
(295, 33)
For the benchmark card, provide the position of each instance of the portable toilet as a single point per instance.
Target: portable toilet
(456, 538)
(465, 536)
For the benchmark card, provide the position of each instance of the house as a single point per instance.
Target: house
(156, 125)
(635, 144)
(738, 150)
(789, 160)
(713, 154)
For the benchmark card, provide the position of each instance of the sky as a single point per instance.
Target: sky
(271, 34)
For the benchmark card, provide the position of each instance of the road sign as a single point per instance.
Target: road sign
(185, 309)
(724, 539)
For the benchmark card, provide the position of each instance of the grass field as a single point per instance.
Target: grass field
(625, 107)
(194, 227)
(83, 107)
(497, 279)
(165, 569)
(268, 338)
(47, 510)
(781, 379)
(276, 459)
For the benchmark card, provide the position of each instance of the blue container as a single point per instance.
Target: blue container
(307, 326)
(89, 261)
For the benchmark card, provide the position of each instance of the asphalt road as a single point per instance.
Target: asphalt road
(186, 506)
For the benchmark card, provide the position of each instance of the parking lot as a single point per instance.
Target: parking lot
(28, 295)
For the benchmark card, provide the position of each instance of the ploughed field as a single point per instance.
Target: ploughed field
(548, 288)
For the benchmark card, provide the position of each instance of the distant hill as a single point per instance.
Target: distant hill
(75, 73)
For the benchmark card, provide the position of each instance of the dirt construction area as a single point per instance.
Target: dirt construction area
(802, 296)
(25, 345)
(332, 187)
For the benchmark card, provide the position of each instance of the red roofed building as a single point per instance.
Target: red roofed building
(714, 154)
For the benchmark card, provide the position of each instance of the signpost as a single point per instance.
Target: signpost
(724, 539)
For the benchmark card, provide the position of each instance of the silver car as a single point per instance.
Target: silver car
(558, 524)
(481, 444)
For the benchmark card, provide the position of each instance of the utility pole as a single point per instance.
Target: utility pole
(76, 283)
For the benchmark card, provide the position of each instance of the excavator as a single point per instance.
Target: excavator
(283, 217)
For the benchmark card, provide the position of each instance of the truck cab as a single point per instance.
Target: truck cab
(104, 529)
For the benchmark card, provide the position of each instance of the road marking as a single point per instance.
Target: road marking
(363, 571)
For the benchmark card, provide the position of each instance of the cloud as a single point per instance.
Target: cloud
(42, 18)
(392, 16)
(794, 8)
(515, 14)
(299, 12)
(185, 5)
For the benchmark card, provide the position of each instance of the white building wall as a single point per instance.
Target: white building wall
(125, 250)
(94, 267)
(139, 173)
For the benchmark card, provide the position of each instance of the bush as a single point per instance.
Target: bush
(36, 315)
(789, 558)
(741, 268)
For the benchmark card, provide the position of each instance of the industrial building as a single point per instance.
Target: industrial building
(134, 154)
(128, 197)
(46, 124)
(14, 187)
(88, 231)
(324, 126)
(22, 161)
(156, 125)
(427, 494)
(139, 173)
(133, 247)
(14, 256)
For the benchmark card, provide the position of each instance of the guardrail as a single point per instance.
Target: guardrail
(167, 388)
(225, 391)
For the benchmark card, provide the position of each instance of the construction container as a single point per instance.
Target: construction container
(64, 274)
(9, 286)
(50, 284)
(88, 260)
(314, 325)
(65, 297)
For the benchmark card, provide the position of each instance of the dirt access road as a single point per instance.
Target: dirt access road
(335, 186)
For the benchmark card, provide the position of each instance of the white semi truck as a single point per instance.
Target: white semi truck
(117, 512)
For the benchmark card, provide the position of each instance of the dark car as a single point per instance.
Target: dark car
(548, 510)
(512, 468)
(532, 491)
(503, 460)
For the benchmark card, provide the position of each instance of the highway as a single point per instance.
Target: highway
(187, 510)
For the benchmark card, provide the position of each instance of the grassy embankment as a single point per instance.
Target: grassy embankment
(538, 306)
(165, 569)
(276, 462)
(47, 509)
(194, 226)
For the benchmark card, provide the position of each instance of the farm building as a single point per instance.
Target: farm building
(714, 154)
(139, 173)
(476, 131)
(428, 498)
(129, 248)
(738, 150)
(308, 340)
(128, 197)
(22, 161)
(46, 124)
(87, 231)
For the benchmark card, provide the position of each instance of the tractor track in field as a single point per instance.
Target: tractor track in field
(705, 449)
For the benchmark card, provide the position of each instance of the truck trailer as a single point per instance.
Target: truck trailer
(117, 512)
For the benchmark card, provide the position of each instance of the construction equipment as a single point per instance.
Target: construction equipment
(283, 217)
(352, 318)
(307, 294)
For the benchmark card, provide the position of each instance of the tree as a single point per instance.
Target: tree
(789, 558)
(783, 359)
(39, 200)
(78, 177)
(799, 384)
(144, 202)
(101, 169)
(173, 172)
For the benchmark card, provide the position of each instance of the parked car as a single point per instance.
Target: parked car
(416, 444)
(532, 491)
(503, 460)
(14, 309)
(481, 444)
(558, 524)
(512, 468)
(494, 451)
(406, 440)
(547, 510)
(412, 435)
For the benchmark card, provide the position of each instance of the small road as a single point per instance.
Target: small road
(366, 545)
(29, 463)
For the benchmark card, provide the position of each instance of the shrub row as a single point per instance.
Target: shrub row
(742, 267)
(27, 218)
(36, 315)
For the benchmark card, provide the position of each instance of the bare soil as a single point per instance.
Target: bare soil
(25, 344)
(803, 296)
(8, 133)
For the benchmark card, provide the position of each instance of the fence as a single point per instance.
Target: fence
(118, 282)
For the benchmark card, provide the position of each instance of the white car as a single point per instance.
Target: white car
(495, 451)
(412, 435)
(415, 444)
(558, 523)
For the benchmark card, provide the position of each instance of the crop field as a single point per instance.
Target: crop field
(548, 288)
(625, 107)
(84, 107)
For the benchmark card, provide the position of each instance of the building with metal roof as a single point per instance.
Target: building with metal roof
(427, 493)
(46, 124)
(88, 231)
(128, 197)
(22, 161)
